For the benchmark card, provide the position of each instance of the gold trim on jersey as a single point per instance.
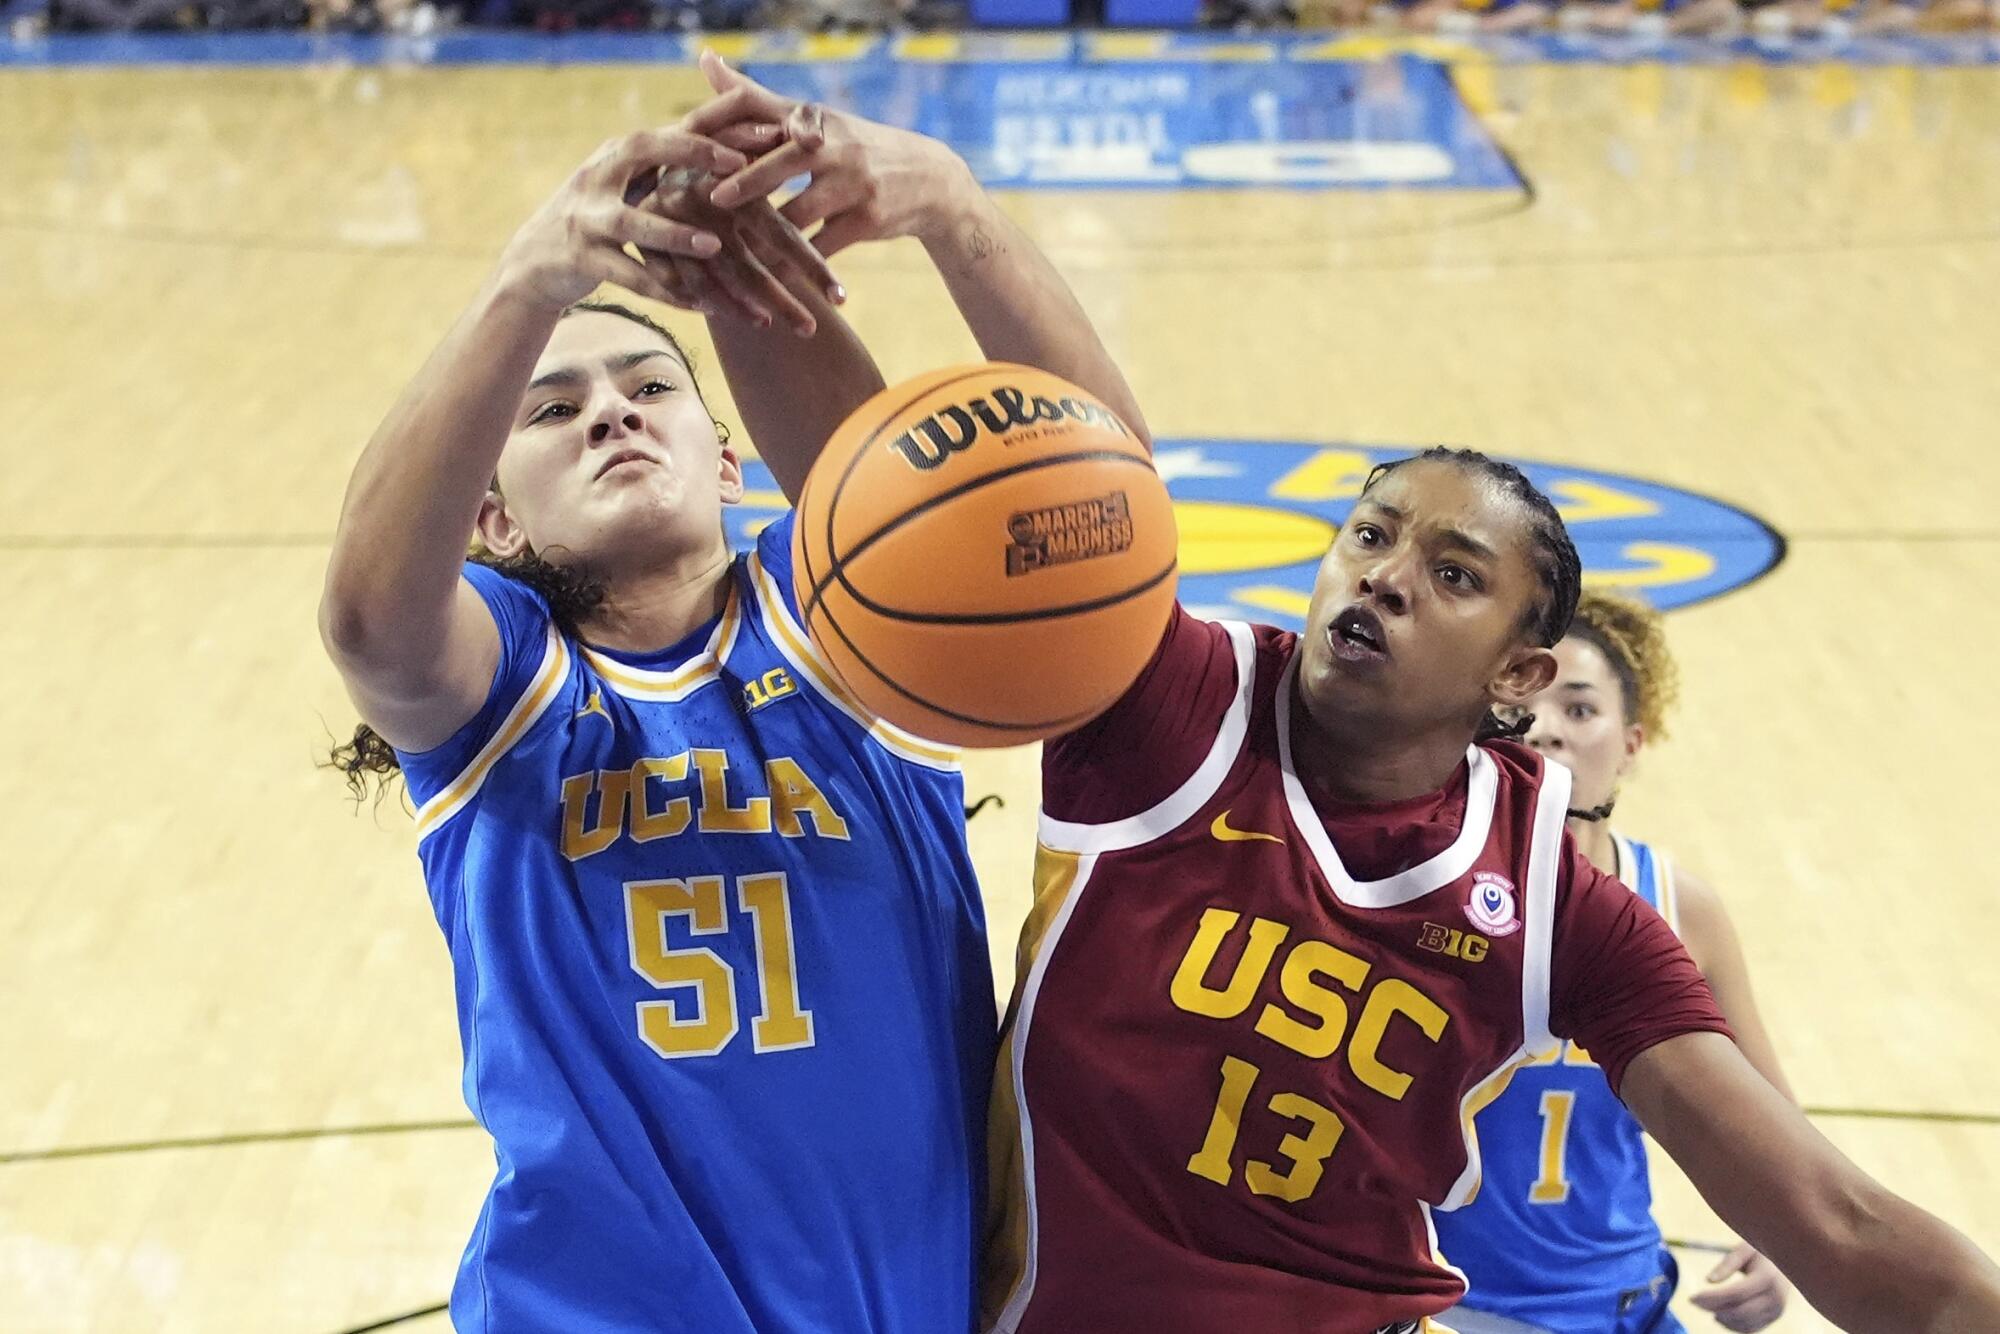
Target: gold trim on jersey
(1008, 1265)
(671, 687)
(530, 707)
(1476, 1100)
(796, 645)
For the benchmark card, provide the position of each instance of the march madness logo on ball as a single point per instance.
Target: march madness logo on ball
(1491, 905)
(1101, 526)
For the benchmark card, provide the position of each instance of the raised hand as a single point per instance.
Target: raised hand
(763, 269)
(869, 182)
(577, 238)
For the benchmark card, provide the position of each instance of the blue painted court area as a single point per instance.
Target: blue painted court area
(1177, 124)
(1256, 516)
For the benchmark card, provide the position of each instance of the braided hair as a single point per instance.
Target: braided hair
(1554, 556)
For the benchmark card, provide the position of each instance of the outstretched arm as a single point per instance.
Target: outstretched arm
(1711, 938)
(1868, 1260)
(872, 182)
(1014, 301)
(414, 644)
(793, 388)
(1754, 1296)
(793, 393)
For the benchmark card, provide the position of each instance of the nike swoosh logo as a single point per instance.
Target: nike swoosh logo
(1224, 834)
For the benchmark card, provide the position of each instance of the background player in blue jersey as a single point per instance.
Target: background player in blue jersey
(719, 958)
(1561, 1234)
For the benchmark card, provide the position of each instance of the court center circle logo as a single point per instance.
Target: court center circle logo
(1255, 517)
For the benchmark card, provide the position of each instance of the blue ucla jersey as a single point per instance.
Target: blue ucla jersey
(1562, 1226)
(722, 985)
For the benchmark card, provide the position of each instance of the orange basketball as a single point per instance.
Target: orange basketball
(985, 555)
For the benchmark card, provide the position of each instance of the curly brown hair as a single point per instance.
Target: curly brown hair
(570, 590)
(1633, 639)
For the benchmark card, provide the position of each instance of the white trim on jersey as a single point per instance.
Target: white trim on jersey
(1544, 870)
(1176, 809)
(1482, 786)
(675, 685)
(1666, 888)
(527, 710)
(796, 647)
(1665, 897)
(1024, 1289)
(1438, 1257)
(1545, 845)
(1628, 862)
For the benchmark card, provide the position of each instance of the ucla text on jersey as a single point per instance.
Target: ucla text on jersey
(722, 984)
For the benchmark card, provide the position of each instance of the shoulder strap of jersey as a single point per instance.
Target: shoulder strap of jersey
(1180, 805)
(527, 710)
(1650, 874)
(796, 647)
(1545, 852)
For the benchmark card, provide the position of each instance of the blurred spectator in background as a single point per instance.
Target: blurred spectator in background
(1682, 17)
(417, 18)
(1463, 17)
(26, 19)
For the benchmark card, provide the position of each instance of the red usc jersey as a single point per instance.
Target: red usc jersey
(1239, 1071)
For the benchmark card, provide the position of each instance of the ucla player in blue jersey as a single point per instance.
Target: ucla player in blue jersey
(1561, 1234)
(720, 963)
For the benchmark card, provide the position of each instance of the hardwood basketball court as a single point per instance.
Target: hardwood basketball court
(231, 1099)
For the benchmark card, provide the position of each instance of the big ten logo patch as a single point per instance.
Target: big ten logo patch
(1456, 944)
(772, 685)
(1059, 534)
(1256, 517)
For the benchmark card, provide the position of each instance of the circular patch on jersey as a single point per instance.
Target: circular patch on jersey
(1490, 904)
(1255, 517)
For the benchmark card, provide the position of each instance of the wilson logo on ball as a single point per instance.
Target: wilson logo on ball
(925, 510)
(1064, 533)
(951, 430)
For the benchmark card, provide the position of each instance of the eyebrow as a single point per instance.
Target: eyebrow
(619, 364)
(1452, 536)
(1579, 685)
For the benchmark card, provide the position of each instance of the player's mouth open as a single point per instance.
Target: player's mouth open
(1356, 635)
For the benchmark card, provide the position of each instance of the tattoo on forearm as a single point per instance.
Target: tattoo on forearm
(981, 244)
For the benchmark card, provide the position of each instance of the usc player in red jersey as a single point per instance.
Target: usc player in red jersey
(1301, 907)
